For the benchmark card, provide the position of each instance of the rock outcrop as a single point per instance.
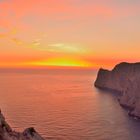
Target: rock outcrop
(6, 132)
(125, 79)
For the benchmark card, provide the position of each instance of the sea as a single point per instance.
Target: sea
(63, 104)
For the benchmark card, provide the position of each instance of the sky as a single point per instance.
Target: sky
(76, 33)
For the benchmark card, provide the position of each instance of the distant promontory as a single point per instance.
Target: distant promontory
(125, 79)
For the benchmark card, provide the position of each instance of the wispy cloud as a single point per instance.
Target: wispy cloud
(36, 42)
(17, 41)
(66, 48)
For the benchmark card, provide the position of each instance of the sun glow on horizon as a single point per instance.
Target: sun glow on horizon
(61, 62)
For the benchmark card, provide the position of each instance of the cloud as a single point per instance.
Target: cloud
(17, 41)
(36, 42)
(66, 48)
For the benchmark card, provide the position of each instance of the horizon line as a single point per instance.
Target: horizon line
(48, 67)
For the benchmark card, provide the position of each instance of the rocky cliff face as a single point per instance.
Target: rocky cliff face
(124, 78)
(6, 132)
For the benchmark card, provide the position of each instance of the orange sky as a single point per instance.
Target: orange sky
(85, 33)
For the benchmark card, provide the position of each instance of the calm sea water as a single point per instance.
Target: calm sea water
(63, 105)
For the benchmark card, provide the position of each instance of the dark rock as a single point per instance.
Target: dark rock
(6, 132)
(124, 78)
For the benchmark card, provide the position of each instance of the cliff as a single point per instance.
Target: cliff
(6, 132)
(125, 79)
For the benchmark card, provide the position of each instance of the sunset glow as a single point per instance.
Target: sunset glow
(61, 62)
(91, 33)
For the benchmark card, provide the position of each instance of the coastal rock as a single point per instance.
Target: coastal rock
(125, 79)
(6, 132)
